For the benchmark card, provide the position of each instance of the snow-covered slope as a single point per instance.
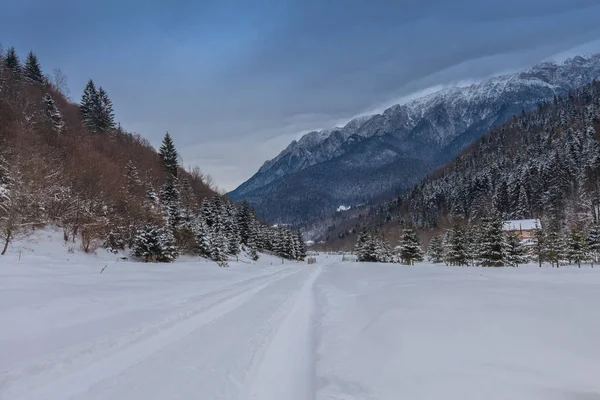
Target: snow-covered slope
(268, 331)
(384, 153)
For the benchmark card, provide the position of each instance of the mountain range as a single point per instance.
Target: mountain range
(375, 157)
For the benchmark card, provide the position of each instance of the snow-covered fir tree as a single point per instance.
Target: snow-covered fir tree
(492, 252)
(539, 244)
(555, 247)
(53, 114)
(170, 201)
(219, 248)
(300, 245)
(593, 242)
(577, 247)
(203, 237)
(154, 243)
(435, 250)
(232, 229)
(473, 236)
(372, 247)
(32, 70)
(514, 250)
(410, 248)
(362, 242)
(456, 246)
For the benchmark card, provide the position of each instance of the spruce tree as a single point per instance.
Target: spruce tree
(593, 242)
(219, 248)
(53, 114)
(154, 243)
(169, 156)
(203, 237)
(300, 246)
(32, 69)
(104, 115)
(410, 249)
(362, 243)
(555, 248)
(456, 246)
(473, 235)
(11, 61)
(492, 242)
(515, 252)
(435, 250)
(233, 237)
(577, 248)
(169, 197)
(539, 245)
(89, 106)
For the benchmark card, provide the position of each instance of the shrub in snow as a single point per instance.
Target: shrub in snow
(154, 244)
(116, 240)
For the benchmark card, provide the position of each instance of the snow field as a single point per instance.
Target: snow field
(268, 331)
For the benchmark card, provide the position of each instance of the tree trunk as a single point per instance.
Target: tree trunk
(6, 243)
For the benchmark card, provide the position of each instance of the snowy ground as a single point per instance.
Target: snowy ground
(192, 330)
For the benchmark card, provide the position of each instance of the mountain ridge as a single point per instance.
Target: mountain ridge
(430, 130)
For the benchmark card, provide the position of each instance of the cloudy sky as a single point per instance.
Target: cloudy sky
(234, 81)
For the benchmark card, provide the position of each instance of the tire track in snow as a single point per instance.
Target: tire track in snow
(52, 365)
(77, 382)
(288, 366)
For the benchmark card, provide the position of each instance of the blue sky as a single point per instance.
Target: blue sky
(235, 81)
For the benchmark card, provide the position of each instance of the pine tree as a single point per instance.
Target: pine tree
(515, 252)
(594, 242)
(410, 249)
(89, 106)
(104, 117)
(492, 243)
(154, 243)
(53, 114)
(435, 251)
(577, 248)
(11, 61)
(32, 69)
(456, 247)
(169, 156)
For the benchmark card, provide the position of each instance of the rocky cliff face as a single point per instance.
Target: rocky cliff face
(375, 157)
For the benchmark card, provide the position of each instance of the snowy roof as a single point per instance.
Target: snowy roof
(522, 225)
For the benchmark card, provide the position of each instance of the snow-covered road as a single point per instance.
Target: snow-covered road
(331, 331)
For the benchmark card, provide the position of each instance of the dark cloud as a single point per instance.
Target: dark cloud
(235, 81)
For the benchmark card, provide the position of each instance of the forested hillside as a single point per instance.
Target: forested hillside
(543, 164)
(72, 165)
